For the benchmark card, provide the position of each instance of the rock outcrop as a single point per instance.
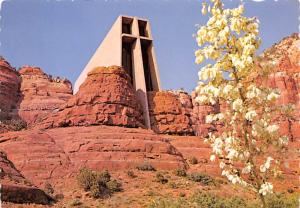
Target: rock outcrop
(15, 188)
(9, 90)
(284, 57)
(54, 154)
(170, 113)
(41, 94)
(106, 97)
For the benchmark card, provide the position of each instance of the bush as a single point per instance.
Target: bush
(75, 202)
(131, 174)
(193, 161)
(114, 186)
(180, 172)
(209, 200)
(98, 183)
(201, 177)
(16, 124)
(161, 178)
(166, 202)
(282, 201)
(145, 167)
(86, 178)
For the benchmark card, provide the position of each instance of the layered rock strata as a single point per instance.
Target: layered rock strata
(9, 90)
(53, 154)
(15, 188)
(41, 94)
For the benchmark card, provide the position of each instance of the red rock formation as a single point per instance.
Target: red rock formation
(195, 147)
(285, 59)
(41, 94)
(15, 188)
(106, 97)
(170, 113)
(9, 89)
(200, 111)
(53, 154)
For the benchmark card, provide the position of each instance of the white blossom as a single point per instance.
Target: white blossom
(266, 188)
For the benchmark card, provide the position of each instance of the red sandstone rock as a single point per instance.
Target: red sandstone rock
(169, 114)
(15, 188)
(9, 89)
(54, 154)
(200, 127)
(106, 97)
(41, 94)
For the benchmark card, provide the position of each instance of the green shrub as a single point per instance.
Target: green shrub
(201, 177)
(86, 178)
(209, 200)
(193, 160)
(100, 190)
(161, 178)
(166, 202)
(75, 202)
(99, 184)
(202, 199)
(145, 167)
(282, 201)
(114, 186)
(16, 124)
(180, 172)
(131, 174)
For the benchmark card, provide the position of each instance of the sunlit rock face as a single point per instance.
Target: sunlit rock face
(105, 98)
(9, 90)
(41, 94)
(170, 113)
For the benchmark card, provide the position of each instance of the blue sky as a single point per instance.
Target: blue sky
(61, 36)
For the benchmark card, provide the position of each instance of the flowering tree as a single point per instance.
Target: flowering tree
(229, 41)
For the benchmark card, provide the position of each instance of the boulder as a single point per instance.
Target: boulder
(170, 112)
(106, 97)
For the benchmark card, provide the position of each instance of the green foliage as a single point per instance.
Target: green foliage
(282, 201)
(161, 178)
(203, 199)
(193, 160)
(16, 124)
(99, 184)
(201, 177)
(75, 203)
(180, 172)
(86, 178)
(168, 203)
(114, 186)
(145, 167)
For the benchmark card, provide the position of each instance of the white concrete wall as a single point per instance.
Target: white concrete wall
(108, 53)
